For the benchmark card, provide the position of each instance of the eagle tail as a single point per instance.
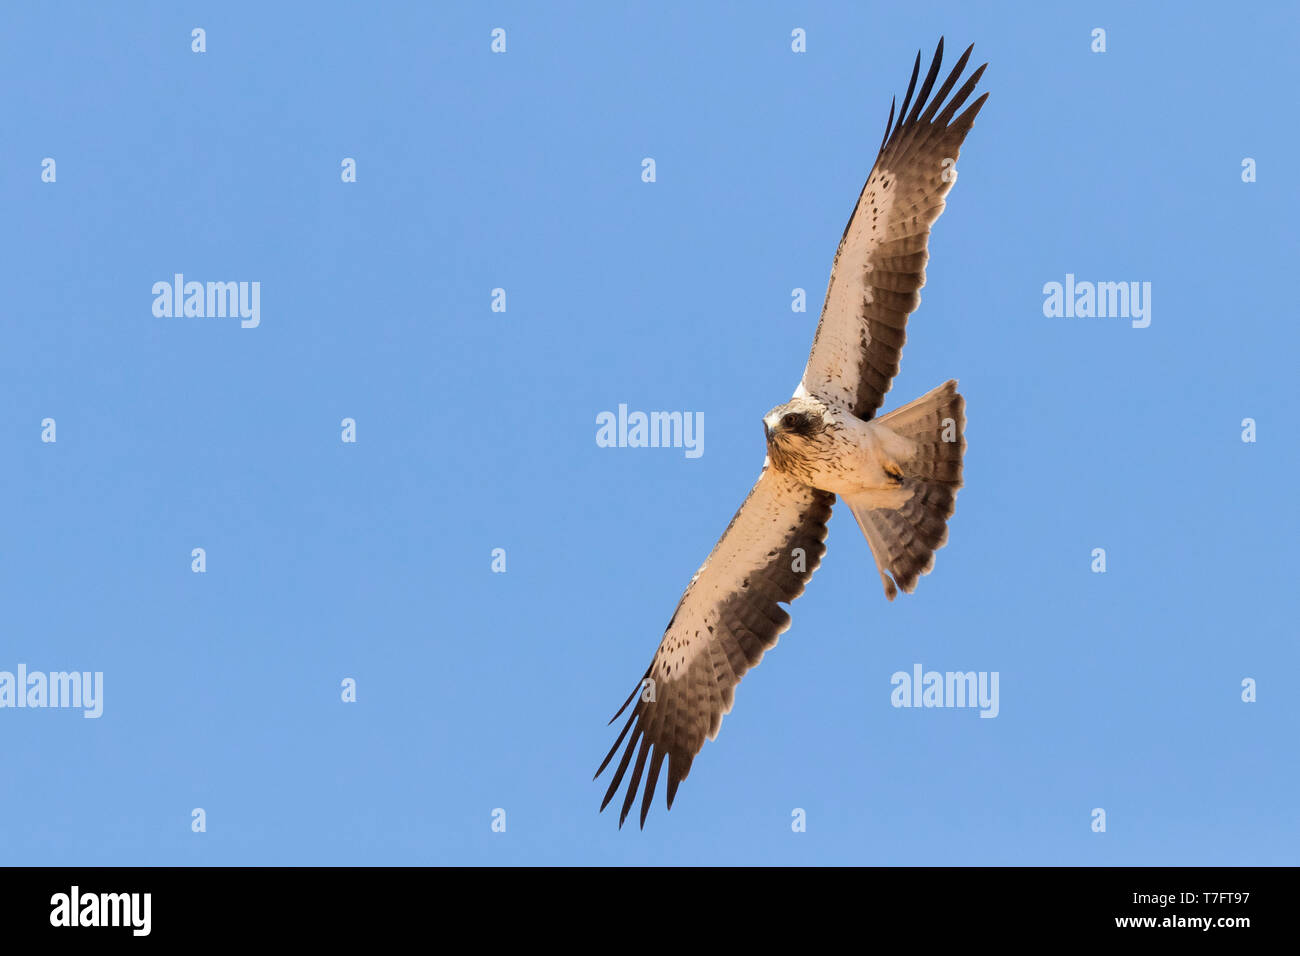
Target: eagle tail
(904, 538)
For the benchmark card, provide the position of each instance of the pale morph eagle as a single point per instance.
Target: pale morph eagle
(898, 474)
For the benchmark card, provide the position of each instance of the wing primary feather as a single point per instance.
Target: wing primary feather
(635, 783)
(635, 691)
(622, 768)
(955, 104)
(966, 119)
(655, 763)
(889, 128)
(679, 765)
(626, 727)
(928, 84)
(911, 87)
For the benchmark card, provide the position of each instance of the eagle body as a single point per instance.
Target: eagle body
(898, 473)
(833, 450)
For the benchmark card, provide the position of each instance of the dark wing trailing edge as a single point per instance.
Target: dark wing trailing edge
(728, 617)
(880, 263)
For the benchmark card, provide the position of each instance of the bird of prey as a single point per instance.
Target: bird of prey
(898, 474)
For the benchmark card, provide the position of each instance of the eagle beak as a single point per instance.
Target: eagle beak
(767, 432)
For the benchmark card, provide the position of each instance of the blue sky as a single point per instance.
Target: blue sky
(476, 430)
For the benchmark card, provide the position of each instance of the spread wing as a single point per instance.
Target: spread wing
(729, 615)
(880, 264)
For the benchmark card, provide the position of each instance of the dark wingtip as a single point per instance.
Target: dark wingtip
(924, 107)
(636, 690)
(969, 116)
(911, 88)
(889, 123)
(926, 86)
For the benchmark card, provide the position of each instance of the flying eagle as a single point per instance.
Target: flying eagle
(899, 474)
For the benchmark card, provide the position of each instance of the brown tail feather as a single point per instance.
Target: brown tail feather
(904, 539)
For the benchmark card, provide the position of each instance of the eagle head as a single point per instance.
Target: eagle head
(793, 429)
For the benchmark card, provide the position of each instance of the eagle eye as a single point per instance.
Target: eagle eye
(792, 422)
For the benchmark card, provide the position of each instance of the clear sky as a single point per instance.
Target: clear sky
(476, 430)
